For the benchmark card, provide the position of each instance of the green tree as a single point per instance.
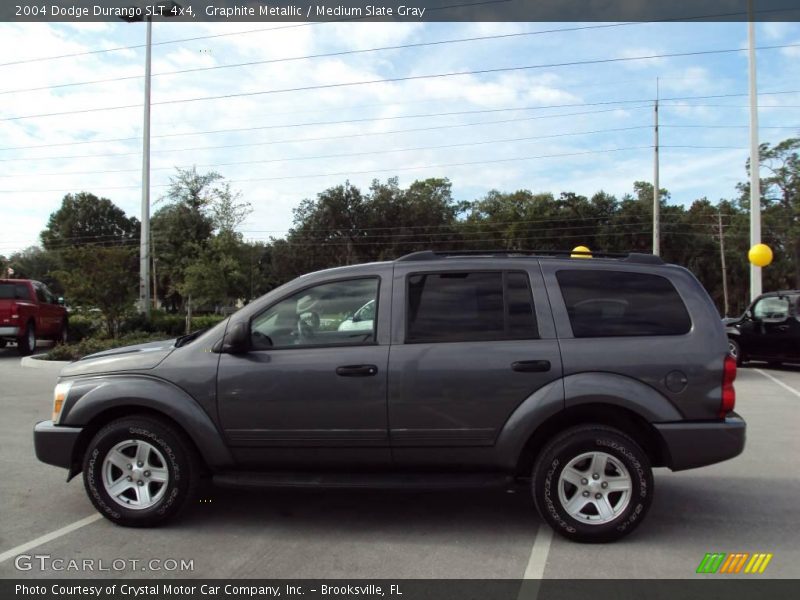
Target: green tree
(35, 263)
(85, 219)
(105, 278)
(182, 229)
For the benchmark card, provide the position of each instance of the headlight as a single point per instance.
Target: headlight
(59, 396)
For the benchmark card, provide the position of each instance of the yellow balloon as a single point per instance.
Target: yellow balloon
(582, 249)
(760, 255)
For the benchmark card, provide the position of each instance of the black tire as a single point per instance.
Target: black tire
(63, 334)
(566, 448)
(735, 350)
(26, 344)
(182, 465)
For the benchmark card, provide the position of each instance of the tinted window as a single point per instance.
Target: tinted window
(318, 316)
(771, 308)
(617, 303)
(40, 295)
(521, 317)
(14, 291)
(457, 307)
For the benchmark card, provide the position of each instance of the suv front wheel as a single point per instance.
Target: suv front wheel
(593, 484)
(139, 471)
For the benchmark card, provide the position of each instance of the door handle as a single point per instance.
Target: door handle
(531, 366)
(783, 328)
(357, 370)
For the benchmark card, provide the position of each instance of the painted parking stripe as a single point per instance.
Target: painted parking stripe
(48, 537)
(779, 382)
(534, 571)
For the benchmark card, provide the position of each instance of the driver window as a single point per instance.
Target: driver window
(772, 309)
(335, 313)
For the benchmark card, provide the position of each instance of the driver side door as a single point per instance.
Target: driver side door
(308, 393)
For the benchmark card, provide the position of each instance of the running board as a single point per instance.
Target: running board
(375, 481)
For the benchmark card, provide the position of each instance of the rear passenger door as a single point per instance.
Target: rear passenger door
(470, 344)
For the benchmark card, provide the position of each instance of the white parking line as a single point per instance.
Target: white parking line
(48, 537)
(532, 579)
(779, 382)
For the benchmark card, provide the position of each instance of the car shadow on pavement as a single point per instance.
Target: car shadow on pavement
(390, 512)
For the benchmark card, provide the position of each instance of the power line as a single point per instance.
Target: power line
(345, 121)
(293, 26)
(323, 138)
(395, 169)
(321, 55)
(136, 46)
(401, 79)
(347, 155)
(612, 218)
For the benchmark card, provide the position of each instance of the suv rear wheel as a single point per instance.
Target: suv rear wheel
(139, 471)
(593, 484)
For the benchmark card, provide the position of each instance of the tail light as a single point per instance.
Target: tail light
(14, 310)
(728, 391)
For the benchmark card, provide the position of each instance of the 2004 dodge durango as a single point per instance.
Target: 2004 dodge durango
(574, 376)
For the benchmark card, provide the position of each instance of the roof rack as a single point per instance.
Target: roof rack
(634, 257)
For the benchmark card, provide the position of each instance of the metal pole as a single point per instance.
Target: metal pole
(722, 260)
(755, 183)
(155, 279)
(656, 187)
(144, 246)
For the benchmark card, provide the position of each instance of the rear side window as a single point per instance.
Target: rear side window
(469, 306)
(14, 291)
(619, 303)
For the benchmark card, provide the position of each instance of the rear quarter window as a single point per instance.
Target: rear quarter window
(621, 303)
(14, 291)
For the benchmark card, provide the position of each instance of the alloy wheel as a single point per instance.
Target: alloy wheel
(135, 474)
(594, 488)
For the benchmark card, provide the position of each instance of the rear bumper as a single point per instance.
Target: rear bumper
(700, 443)
(6, 331)
(55, 444)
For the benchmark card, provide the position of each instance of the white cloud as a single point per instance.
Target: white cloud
(281, 127)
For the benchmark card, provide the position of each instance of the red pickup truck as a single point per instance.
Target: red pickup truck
(28, 310)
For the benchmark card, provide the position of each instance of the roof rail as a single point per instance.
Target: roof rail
(633, 257)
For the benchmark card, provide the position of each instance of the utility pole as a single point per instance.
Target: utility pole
(755, 183)
(166, 9)
(656, 188)
(722, 261)
(144, 254)
(155, 279)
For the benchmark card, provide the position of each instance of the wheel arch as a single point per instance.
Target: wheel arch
(611, 415)
(111, 398)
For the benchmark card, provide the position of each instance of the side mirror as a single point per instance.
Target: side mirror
(60, 300)
(237, 339)
(748, 314)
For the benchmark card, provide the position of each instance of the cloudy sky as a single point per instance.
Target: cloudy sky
(580, 127)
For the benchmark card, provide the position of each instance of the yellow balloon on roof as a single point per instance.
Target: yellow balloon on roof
(760, 255)
(581, 252)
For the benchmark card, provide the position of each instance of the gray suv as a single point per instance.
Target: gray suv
(572, 375)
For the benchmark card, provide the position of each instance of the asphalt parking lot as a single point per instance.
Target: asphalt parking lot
(748, 504)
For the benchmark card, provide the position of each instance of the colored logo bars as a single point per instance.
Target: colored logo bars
(737, 562)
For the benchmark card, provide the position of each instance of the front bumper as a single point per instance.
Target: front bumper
(55, 444)
(6, 331)
(700, 443)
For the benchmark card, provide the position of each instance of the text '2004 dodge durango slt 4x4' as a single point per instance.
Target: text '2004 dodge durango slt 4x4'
(577, 375)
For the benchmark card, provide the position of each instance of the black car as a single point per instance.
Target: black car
(769, 329)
